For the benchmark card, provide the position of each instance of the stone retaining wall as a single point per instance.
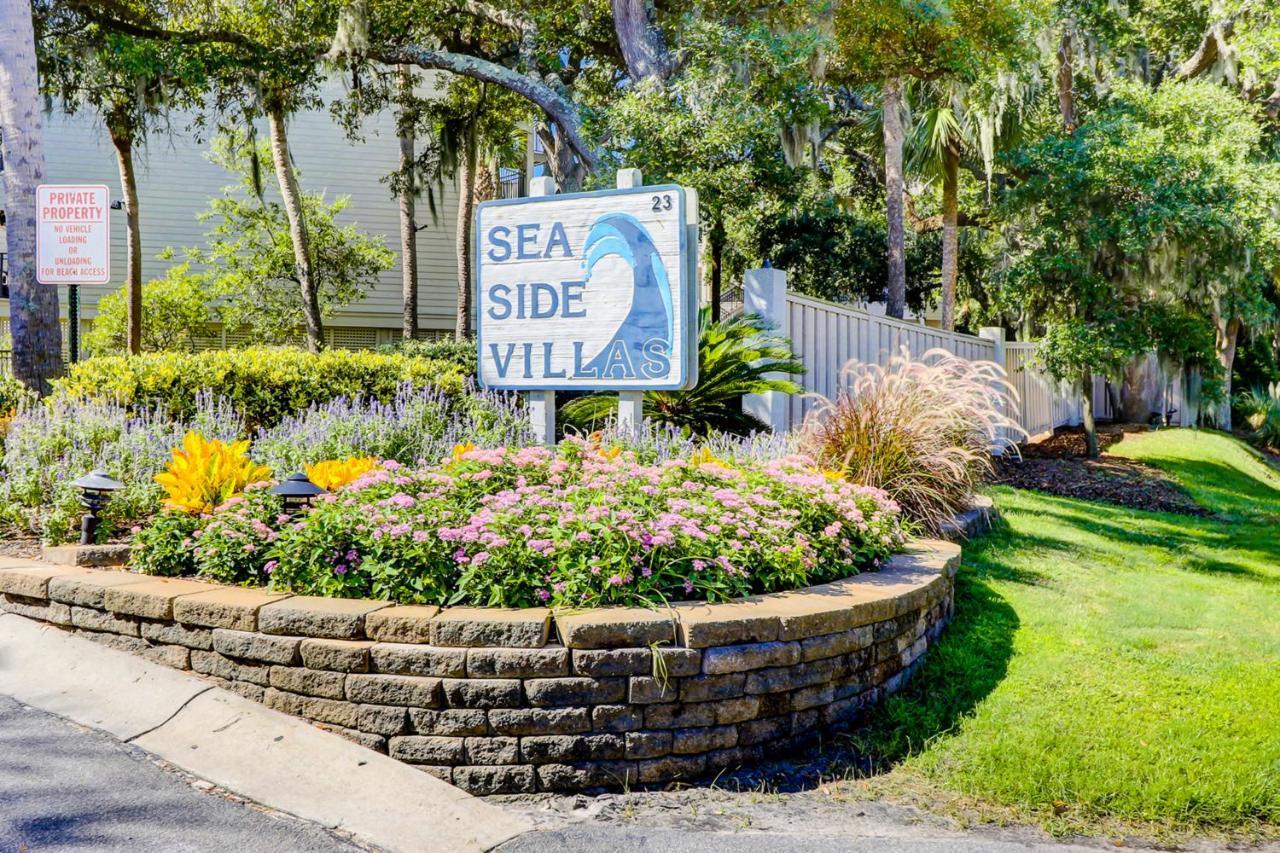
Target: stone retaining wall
(526, 700)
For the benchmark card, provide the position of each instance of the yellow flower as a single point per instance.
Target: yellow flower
(206, 473)
(704, 456)
(333, 474)
(460, 450)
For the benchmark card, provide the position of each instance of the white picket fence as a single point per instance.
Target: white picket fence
(826, 336)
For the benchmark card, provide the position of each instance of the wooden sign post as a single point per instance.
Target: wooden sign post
(587, 291)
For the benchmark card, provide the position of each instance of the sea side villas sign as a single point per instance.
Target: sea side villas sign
(588, 291)
(73, 234)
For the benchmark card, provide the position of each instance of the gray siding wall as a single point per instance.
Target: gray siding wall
(175, 181)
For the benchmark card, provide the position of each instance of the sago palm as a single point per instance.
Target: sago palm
(736, 356)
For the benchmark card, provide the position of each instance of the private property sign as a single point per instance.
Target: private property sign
(73, 234)
(588, 291)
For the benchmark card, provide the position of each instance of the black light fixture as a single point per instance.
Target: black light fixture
(298, 492)
(95, 490)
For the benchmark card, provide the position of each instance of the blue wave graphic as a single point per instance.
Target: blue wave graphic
(650, 319)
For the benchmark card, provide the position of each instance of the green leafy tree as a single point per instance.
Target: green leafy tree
(1161, 196)
(736, 356)
(251, 260)
(716, 126)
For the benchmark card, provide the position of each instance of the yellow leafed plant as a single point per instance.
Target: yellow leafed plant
(333, 474)
(205, 473)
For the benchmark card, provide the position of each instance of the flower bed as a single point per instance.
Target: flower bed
(582, 526)
(535, 699)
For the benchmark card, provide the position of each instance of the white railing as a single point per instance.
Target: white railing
(826, 336)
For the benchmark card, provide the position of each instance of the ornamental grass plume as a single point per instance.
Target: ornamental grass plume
(206, 473)
(920, 429)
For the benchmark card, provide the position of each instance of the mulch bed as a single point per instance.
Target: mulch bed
(13, 547)
(1058, 466)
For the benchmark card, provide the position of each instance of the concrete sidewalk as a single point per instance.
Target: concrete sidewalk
(242, 746)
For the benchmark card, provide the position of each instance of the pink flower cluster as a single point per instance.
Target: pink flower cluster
(585, 526)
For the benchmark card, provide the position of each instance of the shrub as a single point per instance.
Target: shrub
(736, 356)
(418, 423)
(50, 446)
(166, 546)
(265, 384)
(206, 473)
(583, 526)
(1261, 410)
(231, 546)
(459, 352)
(13, 395)
(175, 313)
(922, 430)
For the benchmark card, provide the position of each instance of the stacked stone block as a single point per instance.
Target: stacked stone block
(517, 701)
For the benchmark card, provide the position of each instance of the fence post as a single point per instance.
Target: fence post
(996, 335)
(542, 404)
(764, 292)
(630, 403)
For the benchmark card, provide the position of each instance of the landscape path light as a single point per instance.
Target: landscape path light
(298, 493)
(96, 489)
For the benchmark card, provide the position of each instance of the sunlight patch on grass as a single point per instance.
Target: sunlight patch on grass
(1109, 665)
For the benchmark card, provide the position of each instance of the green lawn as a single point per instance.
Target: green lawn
(1109, 670)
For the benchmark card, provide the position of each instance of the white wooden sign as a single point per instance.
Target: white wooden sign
(73, 234)
(587, 291)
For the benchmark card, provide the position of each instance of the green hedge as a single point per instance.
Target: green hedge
(265, 384)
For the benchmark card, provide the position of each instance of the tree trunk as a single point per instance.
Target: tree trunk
(33, 308)
(1066, 84)
(950, 234)
(291, 195)
(643, 46)
(896, 287)
(1090, 427)
(1228, 335)
(408, 217)
(567, 170)
(466, 206)
(123, 143)
(715, 266)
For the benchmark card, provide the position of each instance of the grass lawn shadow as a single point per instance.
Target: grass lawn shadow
(966, 663)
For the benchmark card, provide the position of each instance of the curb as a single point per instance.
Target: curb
(271, 758)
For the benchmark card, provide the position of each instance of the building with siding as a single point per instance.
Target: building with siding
(176, 181)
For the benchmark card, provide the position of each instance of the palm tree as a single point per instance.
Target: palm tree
(34, 327)
(955, 120)
(736, 356)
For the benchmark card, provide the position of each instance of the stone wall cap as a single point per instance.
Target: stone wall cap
(152, 598)
(491, 626)
(748, 620)
(30, 578)
(318, 616)
(401, 623)
(88, 587)
(86, 555)
(615, 627)
(233, 607)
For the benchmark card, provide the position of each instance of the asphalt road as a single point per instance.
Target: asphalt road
(65, 788)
